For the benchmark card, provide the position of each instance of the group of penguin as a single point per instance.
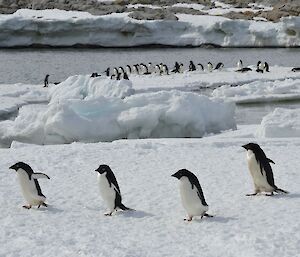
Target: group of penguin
(158, 69)
(162, 69)
(191, 193)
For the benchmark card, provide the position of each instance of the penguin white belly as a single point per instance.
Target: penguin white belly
(108, 193)
(259, 179)
(190, 199)
(29, 189)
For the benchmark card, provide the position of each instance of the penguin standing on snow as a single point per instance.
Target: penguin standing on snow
(109, 189)
(260, 170)
(30, 186)
(46, 81)
(239, 65)
(191, 194)
(192, 66)
(210, 67)
(266, 67)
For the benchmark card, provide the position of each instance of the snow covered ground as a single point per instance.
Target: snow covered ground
(66, 28)
(74, 224)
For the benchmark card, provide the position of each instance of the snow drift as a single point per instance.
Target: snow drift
(84, 114)
(280, 123)
(261, 91)
(83, 86)
(67, 28)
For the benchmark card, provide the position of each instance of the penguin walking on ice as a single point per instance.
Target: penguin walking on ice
(261, 170)
(259, 67)
(239, 65)
(46, 80)
(30, 187)
(192, 66)
(266, 67)
(191, 193)
(110, 190)
(219, 66)
(210, 67)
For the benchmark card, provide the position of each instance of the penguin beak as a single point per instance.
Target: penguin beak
(245, 146)
(174, 175)
(13, 167)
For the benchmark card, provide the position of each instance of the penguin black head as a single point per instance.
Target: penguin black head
(258, 152)
(103, 168)
(252, 146)
(181, 173)
(22, 165)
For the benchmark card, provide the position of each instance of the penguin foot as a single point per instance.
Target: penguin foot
(108, 214)
(251, 194)
(271, 194)
(27, 207)
(43, 204)
(207, 215)
(188, 219)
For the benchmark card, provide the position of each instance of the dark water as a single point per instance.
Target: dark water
(31, 65)
(253, 113)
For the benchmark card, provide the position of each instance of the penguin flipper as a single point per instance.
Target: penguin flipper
(39, 175)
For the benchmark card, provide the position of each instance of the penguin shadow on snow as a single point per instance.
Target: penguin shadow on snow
(137, 214)
(286, 196)
(50, 208)
(215, 219)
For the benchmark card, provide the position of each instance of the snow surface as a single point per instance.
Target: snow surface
(280, 123)
(74, 224)
(66, 28)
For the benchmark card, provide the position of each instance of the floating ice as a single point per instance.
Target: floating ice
(280, 123)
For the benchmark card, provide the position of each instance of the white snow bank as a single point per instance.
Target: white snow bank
(152, 115)
(280, 123)
(66, 28)
(85, 87)
(260, 91)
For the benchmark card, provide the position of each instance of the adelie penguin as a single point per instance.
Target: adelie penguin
(261, 170)
(30, 187)
(210, 67)
(192, 66)
(219, 66)
(110, 190)
(191, 193)
(46, 80)
(239, 65)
